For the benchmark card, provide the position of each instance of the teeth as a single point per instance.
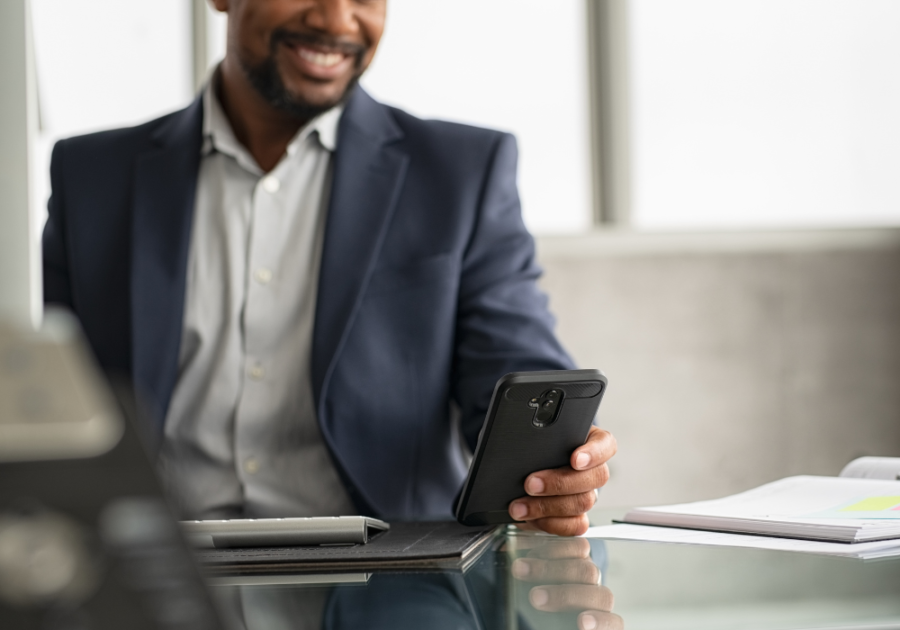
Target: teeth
(321, 59)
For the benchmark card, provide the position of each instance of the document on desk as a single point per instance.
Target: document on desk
(831, 509)
(647, 533)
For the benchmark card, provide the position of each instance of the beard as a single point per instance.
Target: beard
(266, 79)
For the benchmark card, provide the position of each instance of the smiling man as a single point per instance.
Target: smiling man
(313, 293)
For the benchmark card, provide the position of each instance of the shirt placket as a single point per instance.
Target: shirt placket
(256, 407)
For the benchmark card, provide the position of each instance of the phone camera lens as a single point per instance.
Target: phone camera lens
(548, 404)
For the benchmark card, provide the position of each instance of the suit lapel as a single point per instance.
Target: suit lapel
(163, 203)
(368, 177)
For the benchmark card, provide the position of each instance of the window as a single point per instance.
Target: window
(764, 113)
(106, 63)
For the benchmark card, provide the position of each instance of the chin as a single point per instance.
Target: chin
(322, 96)
(319, 98)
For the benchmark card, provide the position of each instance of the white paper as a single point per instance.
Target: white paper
(818, 508)
(803, 498)
(646, 533)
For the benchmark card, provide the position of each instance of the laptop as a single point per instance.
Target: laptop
(86, 537)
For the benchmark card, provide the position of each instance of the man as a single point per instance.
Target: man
(301, 281)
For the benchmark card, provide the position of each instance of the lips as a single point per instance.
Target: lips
(321, 64)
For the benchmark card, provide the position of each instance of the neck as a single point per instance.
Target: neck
(263, 129)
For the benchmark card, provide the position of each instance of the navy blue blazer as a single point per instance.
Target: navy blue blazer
(427, 289)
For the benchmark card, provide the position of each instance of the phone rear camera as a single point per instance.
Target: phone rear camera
(547, 406)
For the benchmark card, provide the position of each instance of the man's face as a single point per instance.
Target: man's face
(303, 55)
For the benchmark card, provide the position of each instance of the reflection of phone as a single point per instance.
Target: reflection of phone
(534, 422)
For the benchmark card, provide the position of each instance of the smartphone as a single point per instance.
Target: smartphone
(534, 422)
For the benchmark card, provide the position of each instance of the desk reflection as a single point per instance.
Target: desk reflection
(567, 579)
(530, 583)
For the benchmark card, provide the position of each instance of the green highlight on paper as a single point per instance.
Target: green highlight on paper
(867, 508)
(873, 504)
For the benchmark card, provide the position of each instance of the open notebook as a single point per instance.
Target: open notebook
(863, 504)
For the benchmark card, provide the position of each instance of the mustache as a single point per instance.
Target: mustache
(292, 38)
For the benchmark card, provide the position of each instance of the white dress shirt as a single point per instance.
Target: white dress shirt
(241, 435)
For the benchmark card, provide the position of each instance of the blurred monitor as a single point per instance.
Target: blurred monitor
(20, 275)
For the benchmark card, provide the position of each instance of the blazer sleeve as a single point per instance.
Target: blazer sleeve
(503, 321)
(57, 288)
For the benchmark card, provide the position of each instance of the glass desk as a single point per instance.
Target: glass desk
(537, 582)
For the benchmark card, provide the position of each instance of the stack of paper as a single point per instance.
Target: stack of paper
(863, 551)
(813, 508)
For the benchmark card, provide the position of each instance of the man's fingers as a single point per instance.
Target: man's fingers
(551, 483)
(556, 571)
(587, 468)
(531, 508)
(571, 597)
(599, 620)
(598, 449)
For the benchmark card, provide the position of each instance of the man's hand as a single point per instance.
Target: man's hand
(559, 499)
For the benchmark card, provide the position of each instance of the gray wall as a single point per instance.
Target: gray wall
(734, 359)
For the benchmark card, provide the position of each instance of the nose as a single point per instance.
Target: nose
(335, 17)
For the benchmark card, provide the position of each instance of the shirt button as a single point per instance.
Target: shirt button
(257, 372)
(271, 184)
(251, 465)
(263, 276)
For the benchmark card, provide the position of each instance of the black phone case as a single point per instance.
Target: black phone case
(511, 446)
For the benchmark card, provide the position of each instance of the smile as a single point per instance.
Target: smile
(325, 60)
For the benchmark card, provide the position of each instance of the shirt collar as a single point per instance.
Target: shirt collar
(217, 132)
(219, 136)
(326, 124)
